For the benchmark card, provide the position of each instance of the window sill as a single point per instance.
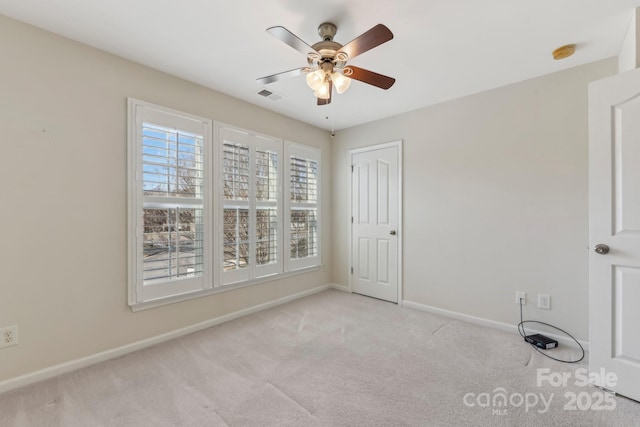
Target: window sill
(223, 288)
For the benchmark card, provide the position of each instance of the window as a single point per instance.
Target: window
(208, 215)
(251, 206)
(302, 208)
(167, 152)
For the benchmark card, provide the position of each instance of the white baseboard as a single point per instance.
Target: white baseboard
(73, 365)
(506, 327)
(342, 288)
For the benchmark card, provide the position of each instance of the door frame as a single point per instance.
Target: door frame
(398, 145)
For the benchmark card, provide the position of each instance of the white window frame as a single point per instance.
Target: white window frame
(140, 112)
(254, 142)
(306, 152)
(160, 292)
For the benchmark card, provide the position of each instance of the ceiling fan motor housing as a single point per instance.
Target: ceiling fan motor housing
(328, 49)
(327, 30)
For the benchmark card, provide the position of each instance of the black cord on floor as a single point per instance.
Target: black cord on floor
(523, 335)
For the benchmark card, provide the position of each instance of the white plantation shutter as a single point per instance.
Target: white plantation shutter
(172, 203)
(266, 197)
(235, 228)
(303, 197)
(250, 203)
(167, 152)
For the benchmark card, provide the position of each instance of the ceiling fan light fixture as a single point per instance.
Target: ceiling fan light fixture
(315, 79)
(340, 82)
(324, 92)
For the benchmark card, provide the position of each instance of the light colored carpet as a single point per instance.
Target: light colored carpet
(328, 359)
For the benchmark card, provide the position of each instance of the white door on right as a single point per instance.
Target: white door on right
(614, 231)
(375, 184)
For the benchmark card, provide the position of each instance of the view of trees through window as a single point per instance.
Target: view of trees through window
(267, 206)
(170, 237)
(236, 206)
(172, 214)
(212, 205)
(304, 207)
(237, 226)
(172, 169)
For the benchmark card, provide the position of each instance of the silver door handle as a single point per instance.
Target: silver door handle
(392, 232)
(602, 249)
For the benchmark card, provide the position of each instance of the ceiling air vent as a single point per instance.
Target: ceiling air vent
(270, 95)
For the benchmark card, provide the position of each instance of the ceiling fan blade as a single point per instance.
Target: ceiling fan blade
(281, 76)
(367, 41)
(327, 101)
(291, 39)
(369, 77)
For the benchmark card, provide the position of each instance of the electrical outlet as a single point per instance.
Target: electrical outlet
(544, 301)
(521, 295)
(8, 336)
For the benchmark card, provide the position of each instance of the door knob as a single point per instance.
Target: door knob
(392, 232)
(602, 249)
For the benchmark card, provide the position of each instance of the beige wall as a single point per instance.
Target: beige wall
(63, 177)
(495, 199)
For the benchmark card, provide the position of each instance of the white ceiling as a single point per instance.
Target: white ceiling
(441, 50)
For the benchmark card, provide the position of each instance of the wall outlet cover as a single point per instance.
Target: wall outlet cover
(8, 336)
(544, 301)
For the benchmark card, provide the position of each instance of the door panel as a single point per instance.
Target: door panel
(627, 165)
(363, 194)
(626, 290)
(614, 220)
(375, 196)
(383, 192)
(383, 260)
(363, 259)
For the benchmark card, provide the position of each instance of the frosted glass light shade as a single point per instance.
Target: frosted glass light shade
(340, 82)
(315, 79)
(323, 91)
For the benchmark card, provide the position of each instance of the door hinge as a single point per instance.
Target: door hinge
(351, 168)
(351, 220)
(351, 270)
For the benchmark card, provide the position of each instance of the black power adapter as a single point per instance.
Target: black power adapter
(541, 341)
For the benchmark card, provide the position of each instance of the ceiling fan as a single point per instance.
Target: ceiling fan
(327, 60)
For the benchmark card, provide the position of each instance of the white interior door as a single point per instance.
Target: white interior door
(375, 189)
(614, 221)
